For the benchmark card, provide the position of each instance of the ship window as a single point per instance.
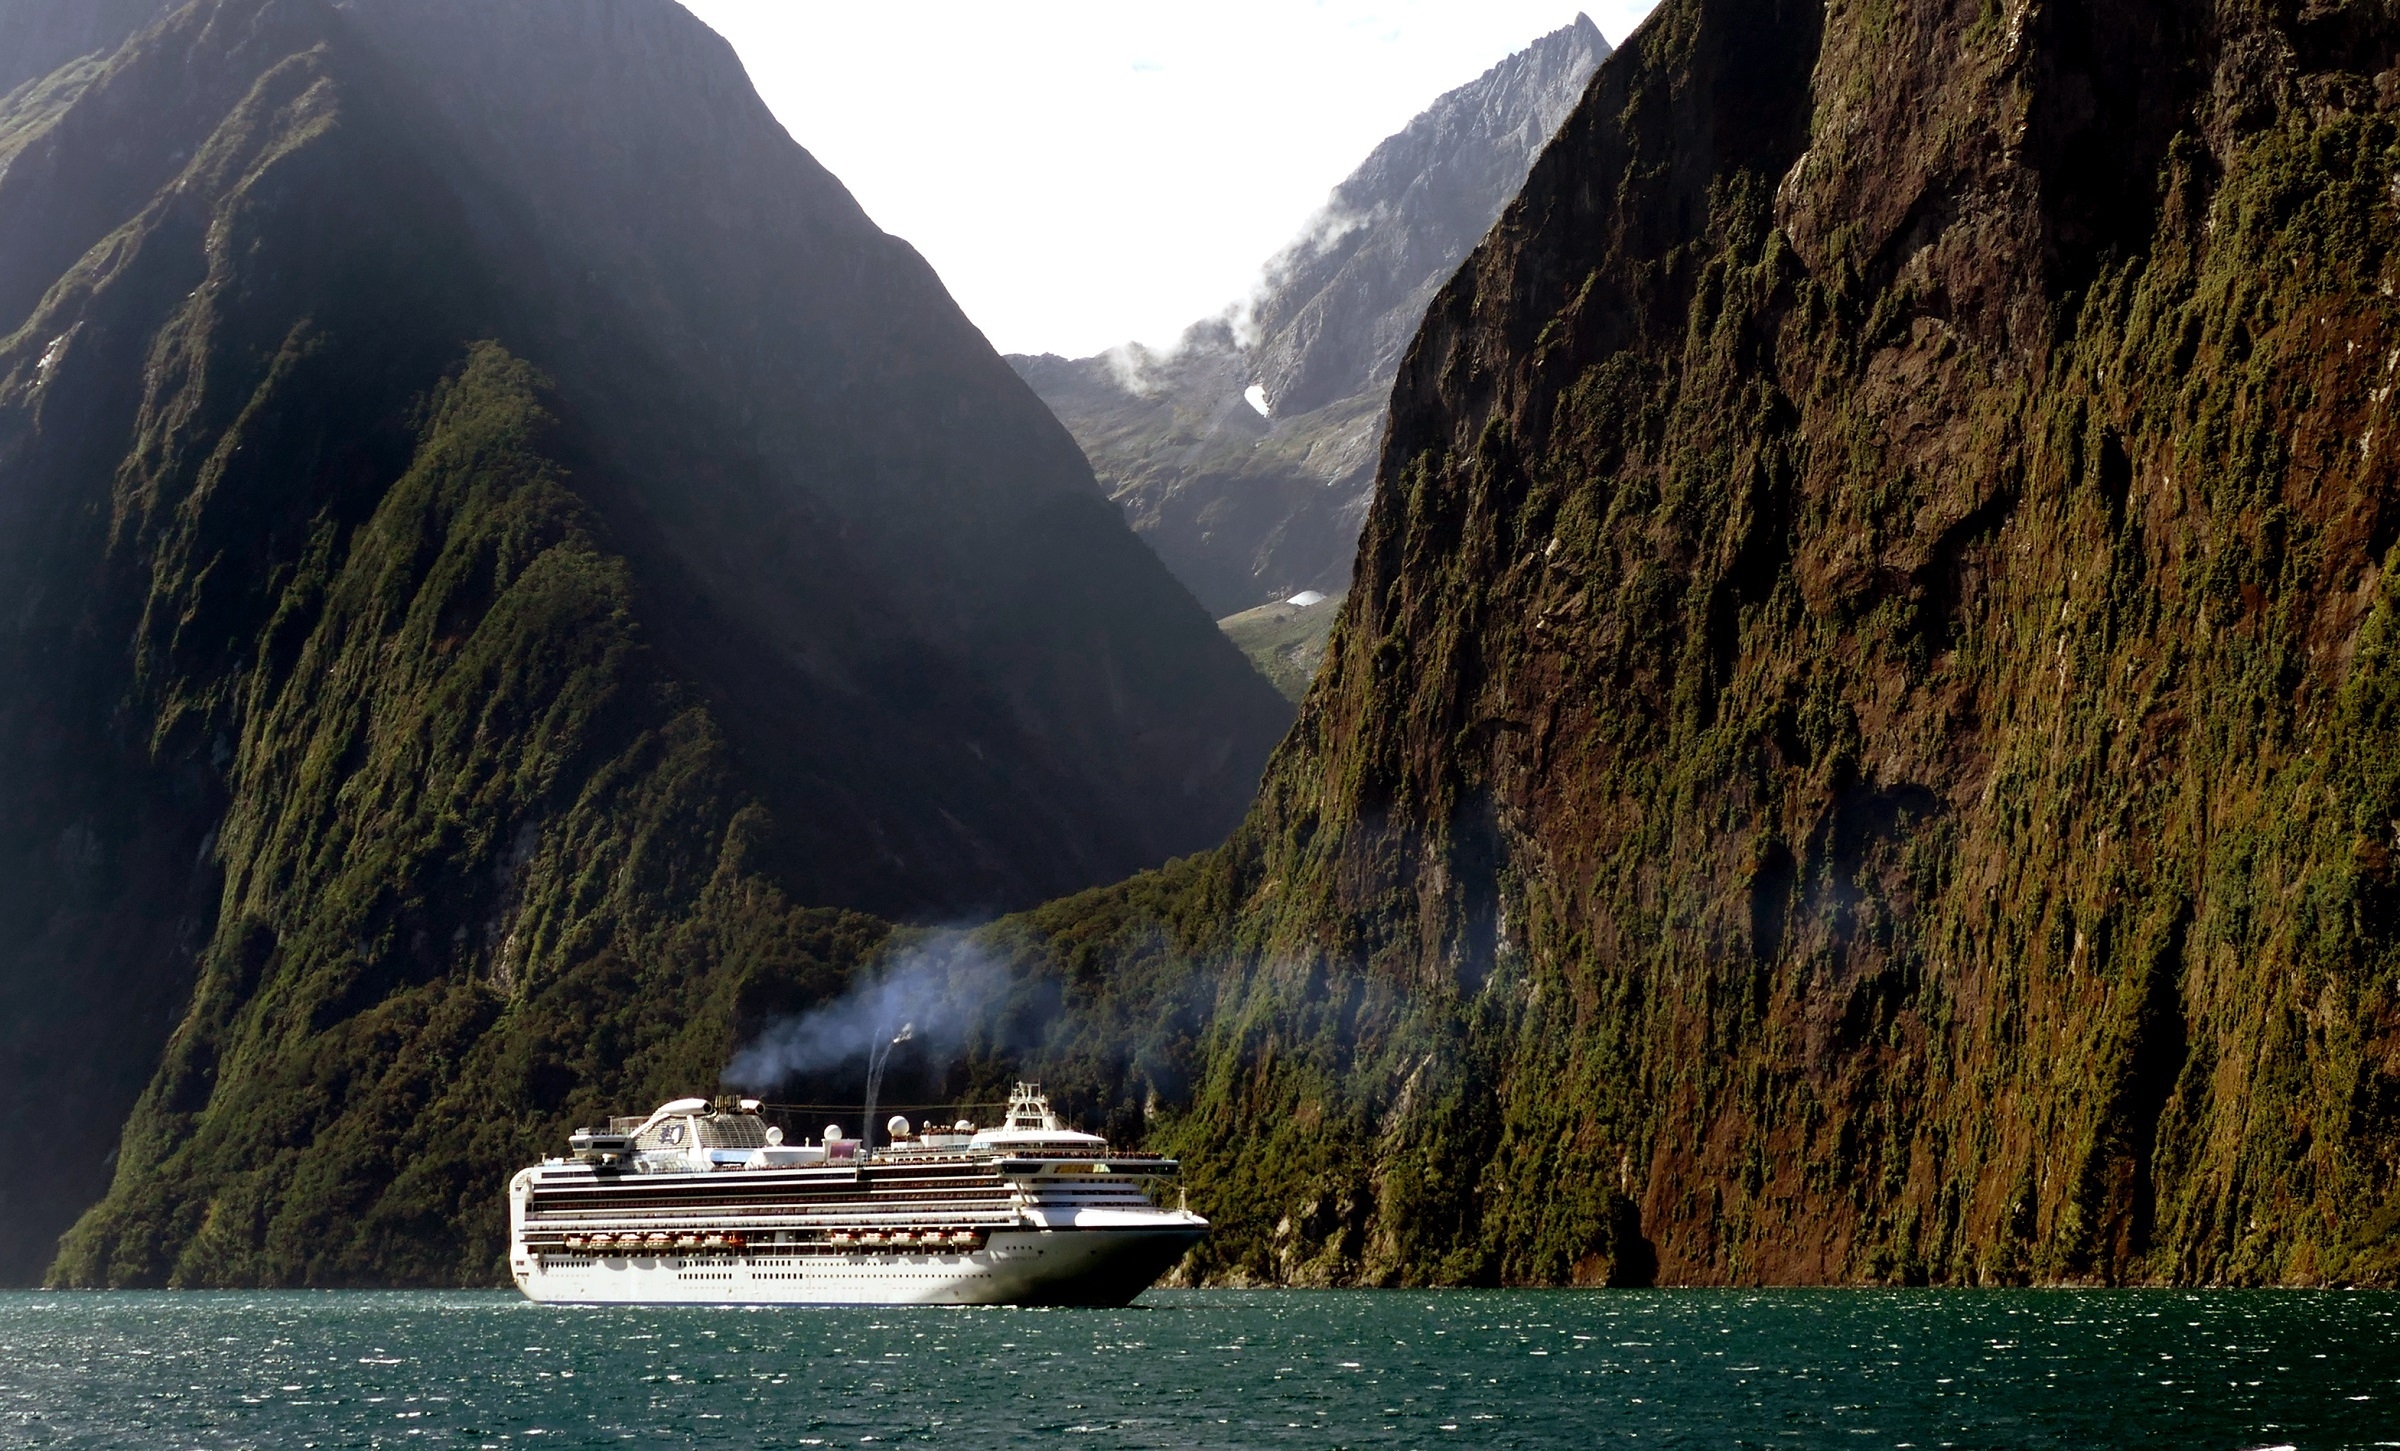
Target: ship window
(733, 1131)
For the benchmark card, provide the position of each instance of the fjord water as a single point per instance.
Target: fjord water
(1213, 1369)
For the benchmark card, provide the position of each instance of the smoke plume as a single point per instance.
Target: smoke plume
(941, 987)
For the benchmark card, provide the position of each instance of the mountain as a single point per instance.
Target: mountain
(1245, 508)
(1864, 745)
(46, 37)
(1286, 640)
(503, 569)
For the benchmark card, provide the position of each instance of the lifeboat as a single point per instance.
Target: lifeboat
(575, 1241)
(843, 1238)
(712, 1241)
(657, 1241)
(964, 1238)
(736, 1242)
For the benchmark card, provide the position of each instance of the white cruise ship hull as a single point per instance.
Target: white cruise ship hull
(701, 1206)
(1081, 1266)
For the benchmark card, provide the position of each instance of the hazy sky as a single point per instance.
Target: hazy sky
(1083, 172)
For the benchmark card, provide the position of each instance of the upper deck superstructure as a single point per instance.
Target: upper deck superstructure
(705, 1202)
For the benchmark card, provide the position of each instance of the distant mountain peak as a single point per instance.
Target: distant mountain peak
(1343, 302)
(1252, 503)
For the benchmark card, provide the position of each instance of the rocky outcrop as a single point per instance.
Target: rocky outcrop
(1862, 746)
(1247, 508)
(499, 558)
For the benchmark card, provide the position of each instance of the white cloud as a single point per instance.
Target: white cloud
(1083, 172)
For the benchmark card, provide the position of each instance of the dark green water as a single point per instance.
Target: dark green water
(1213, 1369)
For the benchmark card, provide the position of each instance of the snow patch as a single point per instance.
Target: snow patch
(1256, 396)
(1306, 598)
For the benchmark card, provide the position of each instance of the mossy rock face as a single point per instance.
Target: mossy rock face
(1861, 747)
(468, 762)
(1864, 746)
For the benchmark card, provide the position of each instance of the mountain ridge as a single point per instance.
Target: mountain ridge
(448, 630)
(1860, 747)
(1246, 508)
(1863, 746)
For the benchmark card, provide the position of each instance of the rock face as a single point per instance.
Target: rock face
(499, 557)
(1865, 742)
(1248, 508)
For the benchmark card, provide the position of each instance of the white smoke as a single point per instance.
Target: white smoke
(942, 987)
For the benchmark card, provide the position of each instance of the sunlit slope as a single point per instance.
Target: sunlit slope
(1286, 640)
(1863, 744)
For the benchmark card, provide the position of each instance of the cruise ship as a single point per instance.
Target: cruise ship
(704, 1203)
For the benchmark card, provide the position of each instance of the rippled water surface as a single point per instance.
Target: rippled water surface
(1213, 1369)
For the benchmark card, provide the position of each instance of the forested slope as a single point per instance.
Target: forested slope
(1863, 745)
(500, 561)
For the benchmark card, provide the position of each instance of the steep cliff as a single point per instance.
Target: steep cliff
(1865, 742)
(1248, 508)
(499, 559)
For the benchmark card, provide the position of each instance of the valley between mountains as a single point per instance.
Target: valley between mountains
(1862, 744)
(507, 565)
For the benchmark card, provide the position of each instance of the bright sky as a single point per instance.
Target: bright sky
(1085, 172)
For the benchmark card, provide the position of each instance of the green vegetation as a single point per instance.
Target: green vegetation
(24, 112)
(479, 640)
(1864, 746)
(1845, 763)
(486, 875)
(1285, 641)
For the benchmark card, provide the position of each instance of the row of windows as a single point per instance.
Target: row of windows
(874, 1176)
(844, 1254)
(880, 1275)
(760, 1196)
